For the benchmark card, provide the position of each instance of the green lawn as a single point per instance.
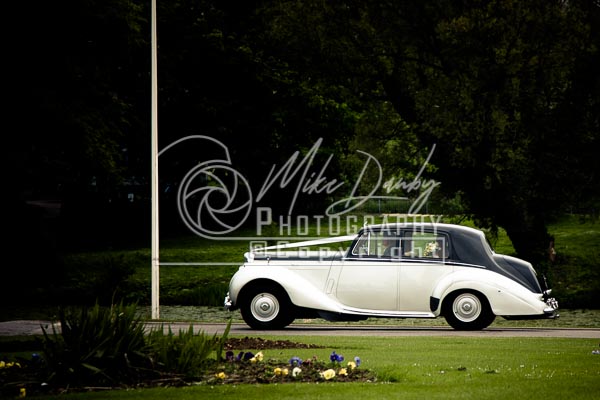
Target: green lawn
(423, 368)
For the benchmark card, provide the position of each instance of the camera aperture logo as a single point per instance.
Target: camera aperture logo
(214, 199)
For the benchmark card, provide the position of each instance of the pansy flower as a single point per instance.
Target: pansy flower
(220, 375)
(295, 361)
(9, 364)
(328, 374)
(336, 357)
(258, 357)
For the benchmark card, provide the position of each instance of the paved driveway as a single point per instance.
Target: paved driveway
(13, 328)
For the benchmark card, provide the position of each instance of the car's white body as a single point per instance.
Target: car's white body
(347, 286)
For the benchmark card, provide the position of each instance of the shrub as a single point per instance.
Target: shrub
(203, 293)
(185, 353)
(96, 346)
(102, 278)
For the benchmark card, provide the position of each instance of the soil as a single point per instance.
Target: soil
(249, 343)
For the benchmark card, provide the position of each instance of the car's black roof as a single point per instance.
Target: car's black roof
(469, 246)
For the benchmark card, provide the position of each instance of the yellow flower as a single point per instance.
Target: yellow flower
(220, 375)
(277, 371)
(328, 374)
(296, 371)
(258, 357)
(351, 365)
(284, 371)
(343, 372)
(22, 392)
(2, 364)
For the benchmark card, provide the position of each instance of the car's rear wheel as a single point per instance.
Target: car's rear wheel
(468, 311)
(266, 307)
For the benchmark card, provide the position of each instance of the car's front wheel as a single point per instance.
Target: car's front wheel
(266, 307)
(468, 311)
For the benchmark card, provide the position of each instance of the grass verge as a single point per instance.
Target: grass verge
(579, 318)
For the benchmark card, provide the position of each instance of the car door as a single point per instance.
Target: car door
(423, 265)
(368, 276)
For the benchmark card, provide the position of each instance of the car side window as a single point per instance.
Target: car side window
(374, 244)
(427, 245)
(361, 247)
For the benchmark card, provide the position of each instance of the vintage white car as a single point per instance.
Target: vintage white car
(393, 271)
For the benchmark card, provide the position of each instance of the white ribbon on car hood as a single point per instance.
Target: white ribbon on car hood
(250, 255)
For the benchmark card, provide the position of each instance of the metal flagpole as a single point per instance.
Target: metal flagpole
(154, 130)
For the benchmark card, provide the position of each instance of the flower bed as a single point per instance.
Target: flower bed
(27, 377)
(247, 367)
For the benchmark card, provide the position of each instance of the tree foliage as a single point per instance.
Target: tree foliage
(498, 86)
(507, 90)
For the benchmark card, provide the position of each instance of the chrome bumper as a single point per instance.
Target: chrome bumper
(552, 303)
(551, 311)
(227, 303)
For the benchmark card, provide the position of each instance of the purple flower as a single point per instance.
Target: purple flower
(229, 356)
(357, 361)
(248, 356)
(336, 357)
(295, 361)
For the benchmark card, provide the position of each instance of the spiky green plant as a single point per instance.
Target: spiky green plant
(98, 345)
(186, 353)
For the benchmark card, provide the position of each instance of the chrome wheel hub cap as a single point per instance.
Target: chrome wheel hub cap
(466, 307)
(264, 307)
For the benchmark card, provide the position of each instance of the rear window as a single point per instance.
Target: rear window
(425, 245)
